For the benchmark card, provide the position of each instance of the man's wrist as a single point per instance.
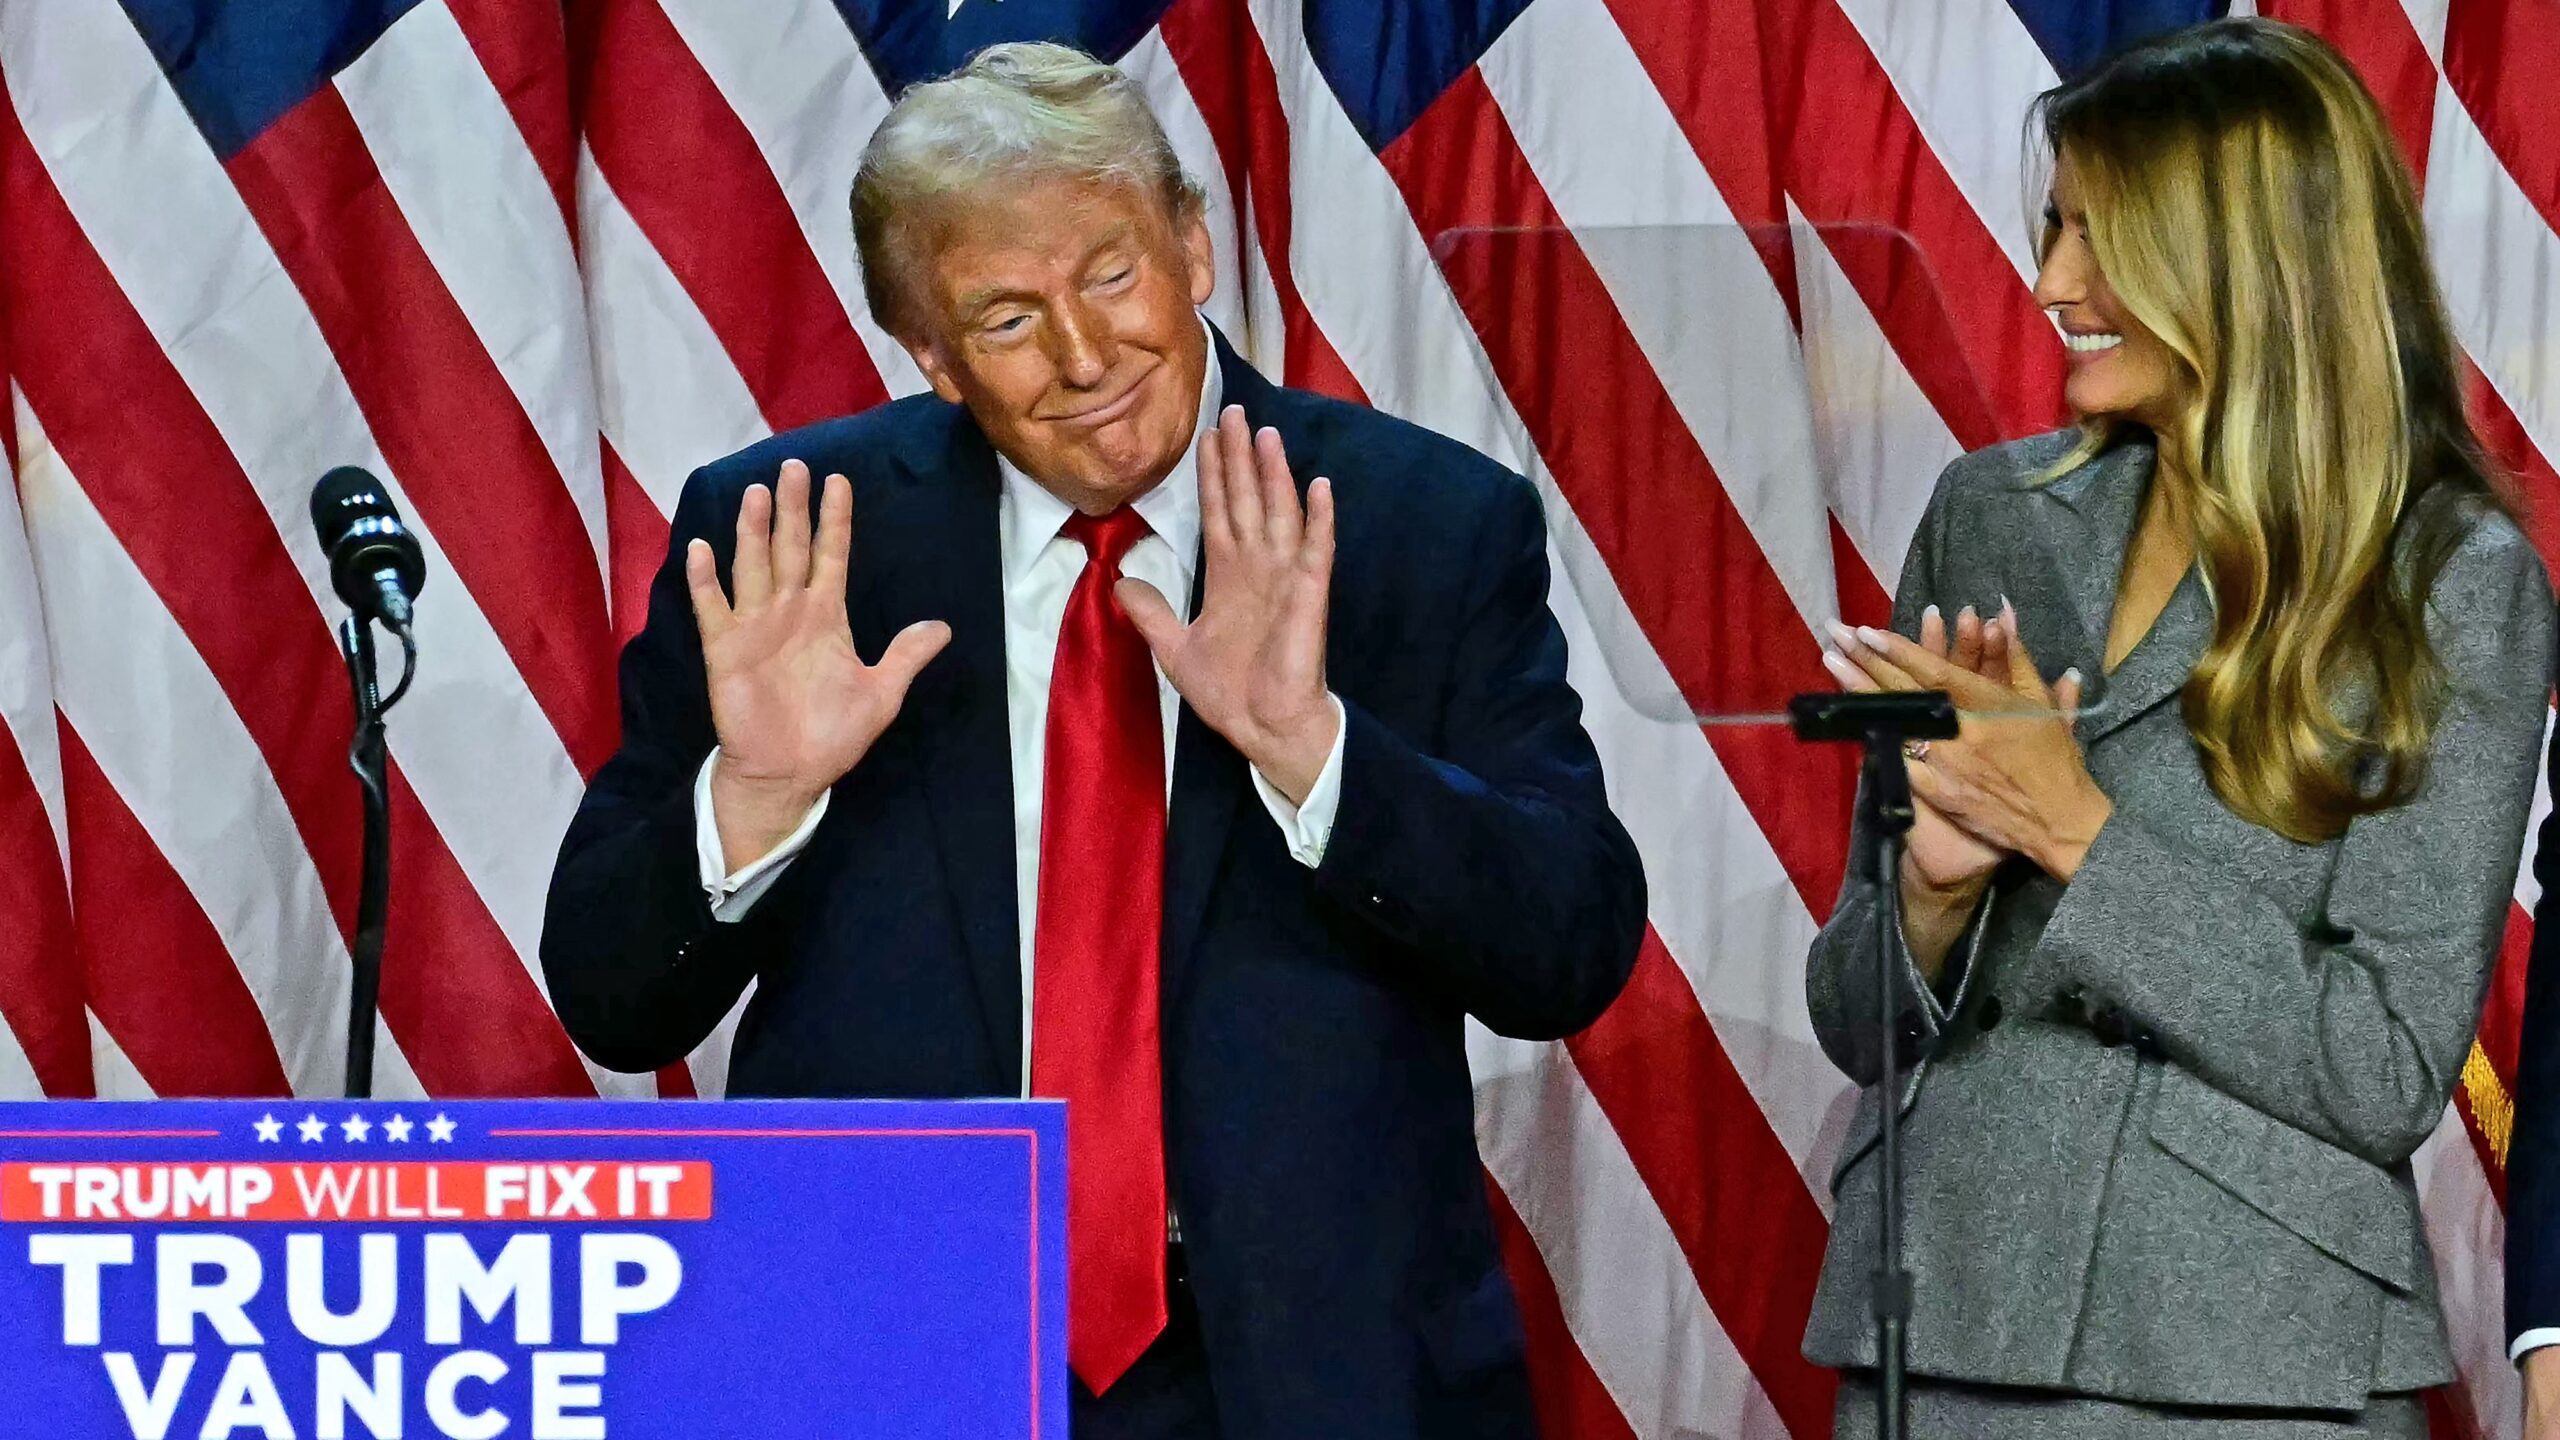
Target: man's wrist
(1294, 757)
(754, 815)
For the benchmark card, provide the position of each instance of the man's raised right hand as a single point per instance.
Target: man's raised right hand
(795, 708)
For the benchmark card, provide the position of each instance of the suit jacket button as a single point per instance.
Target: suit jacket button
(1989, 1018)
(2110, 1027)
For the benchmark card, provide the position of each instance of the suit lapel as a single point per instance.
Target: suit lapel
(2087, 518)
(938, 560)
(1209, 776)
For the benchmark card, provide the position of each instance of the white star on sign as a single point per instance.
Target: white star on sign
(396, 1129)
(356, 1128)
(270, 1130)
(311, 1129)
(439, 1130)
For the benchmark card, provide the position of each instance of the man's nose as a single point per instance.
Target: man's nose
(1084, 347)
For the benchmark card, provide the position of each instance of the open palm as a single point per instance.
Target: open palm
(793, 704)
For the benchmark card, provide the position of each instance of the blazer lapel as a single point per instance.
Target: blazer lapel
(938, 560)
(1209, 776)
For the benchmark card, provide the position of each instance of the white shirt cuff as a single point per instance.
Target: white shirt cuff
(1307, 827)
(733, 895)
(2533, 1340)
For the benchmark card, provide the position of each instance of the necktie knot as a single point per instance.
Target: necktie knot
(1107, 538)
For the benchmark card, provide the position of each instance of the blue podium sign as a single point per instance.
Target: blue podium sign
(558, 1270)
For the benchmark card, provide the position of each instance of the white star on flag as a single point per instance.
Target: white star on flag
(396, 1129)
(356, 1128)
(439, 1130)
(312, 1128)
(270, 1130)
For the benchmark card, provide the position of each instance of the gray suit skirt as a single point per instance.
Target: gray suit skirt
(1947, 1410)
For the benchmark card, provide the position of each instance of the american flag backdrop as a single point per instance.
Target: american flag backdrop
(533, 264)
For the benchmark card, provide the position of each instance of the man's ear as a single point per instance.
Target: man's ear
(1203, 259)
(931, 360)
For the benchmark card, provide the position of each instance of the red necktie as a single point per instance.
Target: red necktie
(1094, 943)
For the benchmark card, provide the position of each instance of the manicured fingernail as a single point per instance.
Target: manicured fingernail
(1929, 612)
(1871, 637)
(1968, 613)
(2005, 607)
(2072, 674)
(1841, 635)
(1840, 668)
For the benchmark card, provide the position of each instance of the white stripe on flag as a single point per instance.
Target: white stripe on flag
(794, 75)
(476, 199)
(1151, 65)
(1365, 271)
(669, 395)
(1684, 276)
(17, 1073)
(1724, 908)
(1879, 440)
(1623, 1282)
(200, 790)
(2468, 1232)
(1968, 71)
(26, 664)
(2499, 263)
(486, 763)
(118, 1079)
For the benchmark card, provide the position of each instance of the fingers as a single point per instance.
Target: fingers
(1243, 486)
(1147, 609)
(702, 577)
(908, 654)
(1965, 653)
(2022, 675)
(791, 528)
(1993, 662)
(1283, 525)
(834, 558)
(1217, 528)
(751, 565)
(1933, 631)
(2066, 697)
(1315, 551)
(1854, 651)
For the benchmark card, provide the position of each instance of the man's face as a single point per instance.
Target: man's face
(1063, 314)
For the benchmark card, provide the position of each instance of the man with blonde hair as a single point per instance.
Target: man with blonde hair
(959, 755)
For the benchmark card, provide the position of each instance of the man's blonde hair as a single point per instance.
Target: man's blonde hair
(1016, 112)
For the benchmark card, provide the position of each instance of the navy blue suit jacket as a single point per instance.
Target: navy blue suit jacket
(2533, 1147)
(1318, 1123)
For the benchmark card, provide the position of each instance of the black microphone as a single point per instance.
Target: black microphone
(375, 563)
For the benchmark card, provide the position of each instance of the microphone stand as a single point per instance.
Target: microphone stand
(369, 757)
(1881, 722)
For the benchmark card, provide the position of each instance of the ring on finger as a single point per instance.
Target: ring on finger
(1915, 749)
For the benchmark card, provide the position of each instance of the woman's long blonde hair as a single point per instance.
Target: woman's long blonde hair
(2247, 204)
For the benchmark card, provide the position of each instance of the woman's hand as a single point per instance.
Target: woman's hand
(1944, 868)
(2014, 779)
(1938, 855)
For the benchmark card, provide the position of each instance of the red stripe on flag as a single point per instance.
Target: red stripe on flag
(1571, 1402)
(2531, 482)
(635, 544)
(39, 966)
(1730, 1191)
(690, 175)
(157, 972)
(2377, 40)
(453, 431)
(1691, 572)
(525, 49)
(1229, 73)
(1847, 149)
(2501, 56)
(124, 421)
(2502, 1017)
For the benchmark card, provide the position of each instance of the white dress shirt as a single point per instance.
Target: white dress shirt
(1041, 566)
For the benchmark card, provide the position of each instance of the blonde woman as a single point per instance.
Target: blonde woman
(2195, 950)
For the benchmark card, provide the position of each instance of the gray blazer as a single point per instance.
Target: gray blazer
(2161, 1152)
